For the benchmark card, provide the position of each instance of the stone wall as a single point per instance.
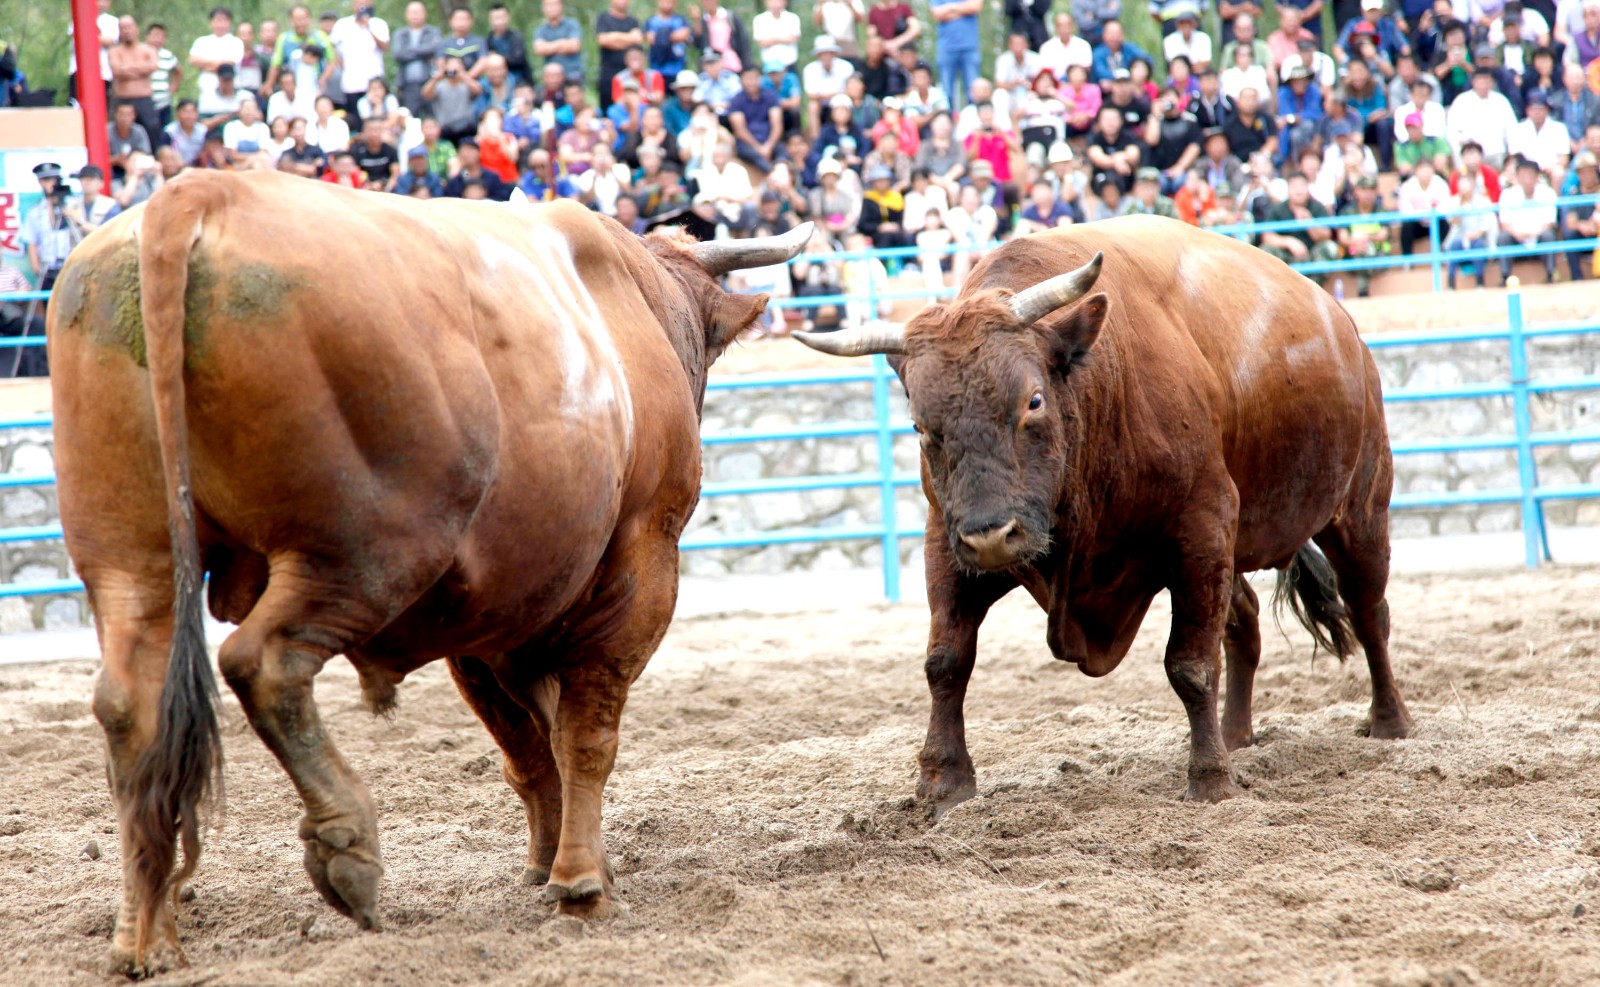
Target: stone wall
(1410, 367)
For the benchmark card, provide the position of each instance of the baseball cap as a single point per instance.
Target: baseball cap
(47, 170)
(1537, 98)
(824, 43)
(1585, 159)
(685, 79)
(1306, 43)
(1211, 132)
(1485, 51)
(417, 152)
(1371, 4)
(773, 65)
(893, 103)
(1341, 128)
(471, 142)
(1298, 72)
(1121, 74)
(1413, 119)
(89, 171)
(1365, 27)
(248, 147)
(629, 82)
(226, 70)
(1367, 181)
(840, 99)
(829, 166)
(1147, 174)
(1225, 191)
(1059, 152)
(710, 55)
(982, 167)
(880, 173)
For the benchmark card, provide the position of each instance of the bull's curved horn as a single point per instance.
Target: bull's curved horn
(1032, 304)
(874, 337)
(721, 256)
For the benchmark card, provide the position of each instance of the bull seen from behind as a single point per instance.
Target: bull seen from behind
(484, 450)
(1206, 413)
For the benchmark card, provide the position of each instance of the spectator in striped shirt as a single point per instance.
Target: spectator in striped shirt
(168, 75)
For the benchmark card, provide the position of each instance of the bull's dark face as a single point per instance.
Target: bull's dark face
(992, 399)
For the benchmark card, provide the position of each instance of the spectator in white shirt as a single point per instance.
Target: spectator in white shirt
(1065, 50)
(208, 53)
(326, 131)
(1189, 40)
(1481, 114)
(1434, 121)
(360, 40)
(777, 33)
(1244, 74)
(1016, 68)
(1424, 192)
(1542, 140)
(824, 77)
(106, 26)
(1323, 68)
(248, 127)
(1528, 225)
(290, 100)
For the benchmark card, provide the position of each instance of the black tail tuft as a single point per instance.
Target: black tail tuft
(1308, 588)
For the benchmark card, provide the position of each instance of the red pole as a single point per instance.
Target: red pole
(91, 88)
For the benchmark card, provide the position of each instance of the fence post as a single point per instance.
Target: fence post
(1434, 246)
(882, 376)
(1527, 479)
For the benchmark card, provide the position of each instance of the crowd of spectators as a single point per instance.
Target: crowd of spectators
(885, 131)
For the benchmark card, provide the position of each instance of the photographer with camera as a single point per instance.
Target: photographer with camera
(46, 232)
(452, 95)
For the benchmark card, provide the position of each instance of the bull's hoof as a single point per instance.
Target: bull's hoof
(591, 909)
(1235, 742)
(158, 959)
(1211, 786)
(582, 889)
(944, 789)
(1395, 726)
(345, 869)
(534, 877)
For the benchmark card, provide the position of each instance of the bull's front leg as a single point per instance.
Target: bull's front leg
(1201, 593)
(957, 603)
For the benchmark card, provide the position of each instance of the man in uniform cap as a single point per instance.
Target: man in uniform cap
(1365, 239)
(47, 234)
(1582, 222)
(1147, 198)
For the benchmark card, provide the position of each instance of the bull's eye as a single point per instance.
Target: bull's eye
(917, 428)
(1036, 402)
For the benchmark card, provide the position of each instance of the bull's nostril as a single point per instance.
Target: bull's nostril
(990, 540)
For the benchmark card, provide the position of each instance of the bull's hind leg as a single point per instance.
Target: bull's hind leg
(133, 618)
(1241, 642)
(523, 733)
(1357, 546)
(306, 616)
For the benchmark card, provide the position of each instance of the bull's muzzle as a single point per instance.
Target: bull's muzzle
(997, 547)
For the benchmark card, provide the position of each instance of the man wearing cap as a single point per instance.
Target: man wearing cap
(91, 210)
(1528, 217)
(1186, 38)
(1529, 19)
(756, 120)
(1418, 147)
(1065, 49)
(677, 107)
(823, 78)
(849, 143)
(1147, 199)
(225, 101)
(784, 84)
(956, 46)
(1542, 140)
(1217, 163)
(718, 85)
(417, 173)
(992, 194)
(883, 209)
(1114, 53)
(1482, 115)
(46, 234)
(1391, 44)
(1368, 239)
(1582, 221)
(1299, 112)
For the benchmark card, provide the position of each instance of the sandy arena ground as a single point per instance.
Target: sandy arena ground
(761, 829)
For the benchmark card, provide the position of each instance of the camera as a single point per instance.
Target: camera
(449, 73)
(59, 194)
(365, 10)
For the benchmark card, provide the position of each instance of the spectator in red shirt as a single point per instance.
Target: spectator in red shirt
(992, 145)
(1472, 162)
(344, 172)
(652, 86)
(895, 23)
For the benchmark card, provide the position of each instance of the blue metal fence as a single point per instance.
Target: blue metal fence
(884, 427)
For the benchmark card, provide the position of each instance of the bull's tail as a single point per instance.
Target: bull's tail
(179, 773)
(1308, 588)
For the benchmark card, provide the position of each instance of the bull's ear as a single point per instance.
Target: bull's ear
(1070, 334)
(733, 315)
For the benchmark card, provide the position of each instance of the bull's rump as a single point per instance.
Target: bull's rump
(363, 371)
(1213, 337)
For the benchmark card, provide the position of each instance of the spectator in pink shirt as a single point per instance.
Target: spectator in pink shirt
(1082, 98)
(990, 144)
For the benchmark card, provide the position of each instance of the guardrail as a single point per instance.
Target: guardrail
(1529, 495)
